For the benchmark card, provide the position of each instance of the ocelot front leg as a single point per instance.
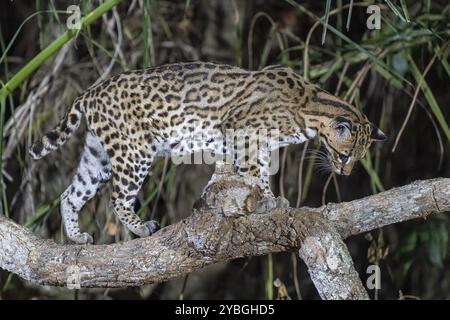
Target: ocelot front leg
(260, 168)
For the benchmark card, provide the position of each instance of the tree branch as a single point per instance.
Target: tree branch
(221, 228)
(330, 265)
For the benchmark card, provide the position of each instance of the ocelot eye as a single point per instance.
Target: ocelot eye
(343, 158)
(343, 128)
(342, 125)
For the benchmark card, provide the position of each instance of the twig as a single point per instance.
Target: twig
(413, 101)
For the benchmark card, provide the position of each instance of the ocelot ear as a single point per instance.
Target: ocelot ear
(377, 134)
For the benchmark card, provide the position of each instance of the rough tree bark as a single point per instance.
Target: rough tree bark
(223, 227)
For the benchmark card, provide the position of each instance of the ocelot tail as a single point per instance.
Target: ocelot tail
(138, 115)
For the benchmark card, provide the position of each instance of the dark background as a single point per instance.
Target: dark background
(413, 256)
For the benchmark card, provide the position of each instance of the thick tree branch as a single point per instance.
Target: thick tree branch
(221, 228)
(330, 265)
(415, 200)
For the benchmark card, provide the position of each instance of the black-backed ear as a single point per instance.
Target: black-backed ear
(377, 134)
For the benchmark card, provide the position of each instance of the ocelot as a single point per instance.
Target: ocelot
(138, 115)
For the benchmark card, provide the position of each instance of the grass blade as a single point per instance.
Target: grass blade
(405, 10)
(325, 25)
(429, 97)
(443, 58)
(367, 164)
(349, 16)
(149, 56)
(395, 10)
(269, 278)
(351, 42)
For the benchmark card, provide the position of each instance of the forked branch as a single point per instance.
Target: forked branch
(221, 228)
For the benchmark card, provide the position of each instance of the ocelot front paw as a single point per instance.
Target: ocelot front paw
(148, 228)
(269, 203)
(82, 238)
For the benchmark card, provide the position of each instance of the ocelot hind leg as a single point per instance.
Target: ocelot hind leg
(127, 179)
(93, 171)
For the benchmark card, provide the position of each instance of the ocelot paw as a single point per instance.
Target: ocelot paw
(148, 228)
(282, 202)
(82, 238)
(267, 204)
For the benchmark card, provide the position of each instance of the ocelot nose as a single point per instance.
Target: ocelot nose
(343, 158)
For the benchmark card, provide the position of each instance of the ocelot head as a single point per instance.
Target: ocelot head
(345, 132)
(347, 141)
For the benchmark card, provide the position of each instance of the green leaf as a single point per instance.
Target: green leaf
(408, 242)
(389, 78)
(41, 213)
(367, 164)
